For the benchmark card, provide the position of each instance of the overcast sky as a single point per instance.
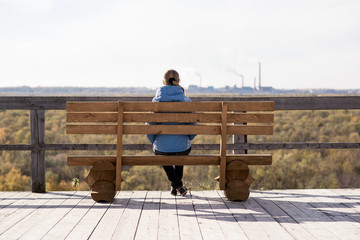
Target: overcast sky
(112, 43)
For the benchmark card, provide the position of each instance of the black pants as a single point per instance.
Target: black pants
(174, 173)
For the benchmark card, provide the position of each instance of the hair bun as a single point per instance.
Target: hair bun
(171, 80)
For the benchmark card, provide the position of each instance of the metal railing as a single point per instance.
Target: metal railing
(38, 105)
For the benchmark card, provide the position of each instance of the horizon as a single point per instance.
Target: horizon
(297, 45)
(155, 88)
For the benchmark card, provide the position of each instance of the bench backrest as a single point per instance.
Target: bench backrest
(211, 118)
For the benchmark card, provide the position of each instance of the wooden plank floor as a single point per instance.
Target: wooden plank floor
(278, 214)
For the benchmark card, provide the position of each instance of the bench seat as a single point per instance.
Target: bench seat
(199, 159)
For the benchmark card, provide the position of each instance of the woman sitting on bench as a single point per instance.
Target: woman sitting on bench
(172, 144)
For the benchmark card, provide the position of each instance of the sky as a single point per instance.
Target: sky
(299, 44)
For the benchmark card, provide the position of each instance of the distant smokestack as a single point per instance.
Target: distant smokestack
(259, 76)
(254, 83)
(200, 78)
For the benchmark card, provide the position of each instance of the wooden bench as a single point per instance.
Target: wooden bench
(211, 118)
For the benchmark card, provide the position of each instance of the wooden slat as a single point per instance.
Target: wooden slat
(288, 223)
(206, 218)
(169, 129)
(197, 129)
(91, 129)
(128, 223)
(7, 199)
(188, 225)
(201, 159)
(231, 228)
(171, 160)
(38, 211)
(41, 228)
(173, 117)
(110, 220)
(268, 223)
(192, 117)
(7, 223)
(169, 222)
(250, 118)
(142, 129)
(84, 228)
(148, 225)
(171, 106)
(91, 106)
(250, 106)
(172, 129)
(88, 160)
(63, 228)
(245, 218)
(328, 211)
(301, 209)
(92, 117)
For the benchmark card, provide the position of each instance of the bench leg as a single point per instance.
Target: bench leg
(101, 181)
(238, 181)
(118, 174)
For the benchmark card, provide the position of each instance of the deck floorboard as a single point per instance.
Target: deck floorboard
(276, 214)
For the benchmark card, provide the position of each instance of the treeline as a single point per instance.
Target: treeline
(337, 168)
(87, 91)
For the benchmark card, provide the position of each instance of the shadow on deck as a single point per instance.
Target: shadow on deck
(278, 214)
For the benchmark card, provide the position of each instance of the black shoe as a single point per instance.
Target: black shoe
(173, 191)
(182, 190)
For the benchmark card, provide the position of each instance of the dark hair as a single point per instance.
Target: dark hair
(171, 80)
(170, 76)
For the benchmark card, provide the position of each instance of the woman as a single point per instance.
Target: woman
(172, 144)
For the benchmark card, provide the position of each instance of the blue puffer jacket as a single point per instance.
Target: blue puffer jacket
(170, 143)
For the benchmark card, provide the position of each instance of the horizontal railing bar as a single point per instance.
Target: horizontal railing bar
(281, 103)
(244, 146)
(16, 147)
(276, 146)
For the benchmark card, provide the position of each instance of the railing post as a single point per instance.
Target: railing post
(238, 140)
(37, 128)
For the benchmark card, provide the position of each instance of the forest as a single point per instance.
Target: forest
(291, 169)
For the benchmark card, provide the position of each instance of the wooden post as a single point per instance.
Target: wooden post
(238, 140)
(37, 128)
(119, 145)
(223, 146)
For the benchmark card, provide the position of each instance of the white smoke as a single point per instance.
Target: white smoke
(233, 71)
(193, 72)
